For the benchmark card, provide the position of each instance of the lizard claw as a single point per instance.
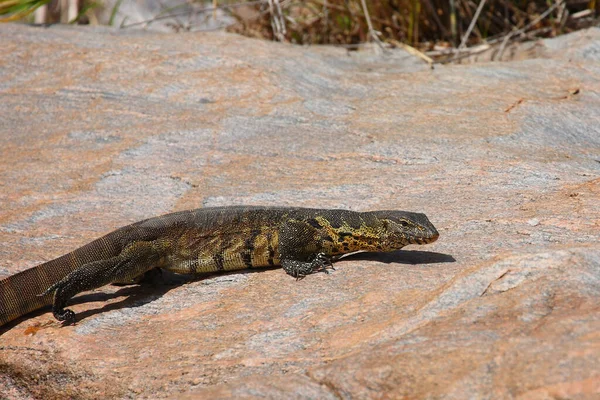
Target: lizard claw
(321, 262)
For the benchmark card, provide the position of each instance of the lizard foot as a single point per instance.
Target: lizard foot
(299, 269)
(65, 315)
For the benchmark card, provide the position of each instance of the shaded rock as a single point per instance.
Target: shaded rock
(101, 128)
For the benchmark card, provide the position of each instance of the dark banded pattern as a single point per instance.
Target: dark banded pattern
(211, 240)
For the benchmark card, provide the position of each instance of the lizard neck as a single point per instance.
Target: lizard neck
(349, 237)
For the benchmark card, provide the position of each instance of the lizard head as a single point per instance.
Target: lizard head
(401, 228)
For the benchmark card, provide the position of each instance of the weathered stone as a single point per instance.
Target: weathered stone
(101, 128)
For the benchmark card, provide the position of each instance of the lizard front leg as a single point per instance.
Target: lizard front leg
(299, 269)
(300, 249)
(134, 261)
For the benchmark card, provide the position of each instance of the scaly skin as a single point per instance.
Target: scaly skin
(301, 240)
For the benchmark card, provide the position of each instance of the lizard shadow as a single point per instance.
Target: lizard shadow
(142, 294)
(135, 296)
(139, 295)
(403, 257)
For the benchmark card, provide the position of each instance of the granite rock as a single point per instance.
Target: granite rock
(101, 128)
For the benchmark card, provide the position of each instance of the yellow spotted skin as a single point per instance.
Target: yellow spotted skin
(301, 240)
(347, 239)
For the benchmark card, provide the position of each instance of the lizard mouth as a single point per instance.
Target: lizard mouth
(425, 240)
(433, 237)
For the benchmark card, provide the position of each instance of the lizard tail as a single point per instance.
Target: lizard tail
(31, 289)
(20, 293)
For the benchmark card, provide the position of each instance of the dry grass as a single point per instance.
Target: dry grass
(444, 28)
(419, 23)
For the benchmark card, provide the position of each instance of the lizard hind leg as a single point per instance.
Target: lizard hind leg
(151, 276)
(134, 261)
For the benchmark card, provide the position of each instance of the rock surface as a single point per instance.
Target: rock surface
(102, 128)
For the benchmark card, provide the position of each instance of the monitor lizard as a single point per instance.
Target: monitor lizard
(301, 240)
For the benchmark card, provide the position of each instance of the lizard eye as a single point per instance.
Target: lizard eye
(403, 223)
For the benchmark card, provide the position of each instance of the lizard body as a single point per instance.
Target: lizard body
(301, 240)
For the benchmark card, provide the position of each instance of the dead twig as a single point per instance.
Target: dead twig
(372, 32)
(526, 27)
(413, 51)
(516, 103)
(463, 42)
(569, 95)
(462, 53)
(277, 20)
(465, 52)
